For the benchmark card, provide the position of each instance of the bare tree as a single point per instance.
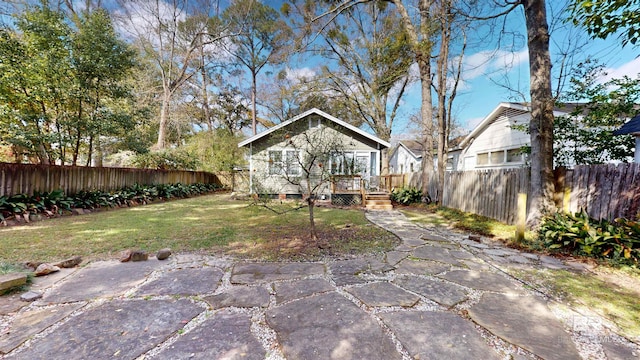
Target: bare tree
(158, 28)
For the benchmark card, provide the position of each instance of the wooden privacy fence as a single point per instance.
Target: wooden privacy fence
(603, 191)
(27, 178)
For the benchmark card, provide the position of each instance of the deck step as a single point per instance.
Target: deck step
(378, 201)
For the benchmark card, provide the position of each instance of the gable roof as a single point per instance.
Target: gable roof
(320, 113)
(630, 127)
(413, 147)
(512, 109)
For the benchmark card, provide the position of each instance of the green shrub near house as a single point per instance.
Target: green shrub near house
(406, 196)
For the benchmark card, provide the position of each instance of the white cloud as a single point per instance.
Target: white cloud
(297, 75)
(487, 62)
(631, 69)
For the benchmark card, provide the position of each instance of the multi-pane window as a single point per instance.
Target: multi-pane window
(284, 162)
(500, 157)
(275, 162)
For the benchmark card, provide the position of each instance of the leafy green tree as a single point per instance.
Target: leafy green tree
(261, 40)
(585, 136)
(216, 150)
(603, 18)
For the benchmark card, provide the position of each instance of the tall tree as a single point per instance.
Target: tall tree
(262, 40)
(370, 64)
(158, 28)
(603, 18)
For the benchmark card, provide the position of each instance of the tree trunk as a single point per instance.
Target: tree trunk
(541, 125)
(427, 124)
(164, 117)
(253, 102)
(442, 70)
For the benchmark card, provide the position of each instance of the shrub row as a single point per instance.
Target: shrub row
(56, 202)
(406, 196)
(578, 234)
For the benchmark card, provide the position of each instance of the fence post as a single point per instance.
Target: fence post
(522, 216)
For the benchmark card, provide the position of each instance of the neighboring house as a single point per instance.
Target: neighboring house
(495, 143)
(274, 153)
(406, 157)
(632, 127)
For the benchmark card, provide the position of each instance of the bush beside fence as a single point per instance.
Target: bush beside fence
(27, 178)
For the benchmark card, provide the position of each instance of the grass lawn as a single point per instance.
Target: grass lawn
(210, 224)
(610, 291)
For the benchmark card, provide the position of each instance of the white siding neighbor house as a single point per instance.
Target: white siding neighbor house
(274, 154)
(495, 143)
(406, 157)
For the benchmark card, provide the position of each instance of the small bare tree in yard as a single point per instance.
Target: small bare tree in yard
(301, 164)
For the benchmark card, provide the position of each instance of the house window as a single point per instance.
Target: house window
(275, 162)
(284, 162)
(515, 156)
(292, 163)
(497, 157)
(343, 164)
(482, 159)
(401, 168)
(314, 122)
(411, 167)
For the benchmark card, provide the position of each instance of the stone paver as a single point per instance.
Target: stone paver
(435, 253)
(191, 281)
(124, 329)
(383, 294)
(102, 279)
(524, 321)
(480, 280)
(345, 272)
(33, 322)
(617, 351)
(421, 267)
(288, 291)
(232, 340)
(443, 293)
(329, 326)
(240, 296)
(394, 257)
(438, 335)
(251, 273)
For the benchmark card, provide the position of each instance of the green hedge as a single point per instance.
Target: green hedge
(406, 196)
(55, 202)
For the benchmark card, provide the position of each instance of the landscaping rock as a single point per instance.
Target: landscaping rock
(12, 280)
(134, 255)
(139, 255)
(30, 296)
(480, 280)
(163, 254)
(250, 273)
(476, 238)
(69, 263)
(421, 267)
(77, 211)
(125, 256)
(45, 269)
